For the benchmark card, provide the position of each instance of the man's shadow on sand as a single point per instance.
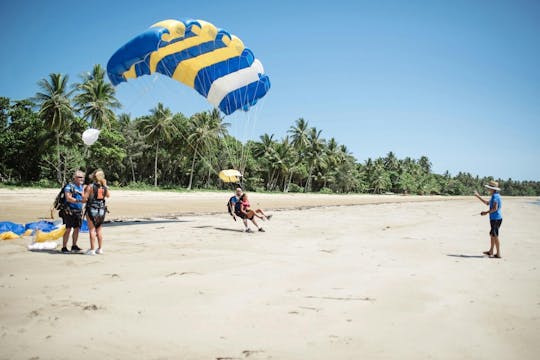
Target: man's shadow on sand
(228, 229)
(466, 256)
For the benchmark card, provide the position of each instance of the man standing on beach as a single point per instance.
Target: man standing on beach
(72, 213)
(495, 216)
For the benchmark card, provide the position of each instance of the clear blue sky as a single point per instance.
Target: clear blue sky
(458, 81)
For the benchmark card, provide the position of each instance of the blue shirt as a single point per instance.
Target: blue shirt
(77, 193)
(495, 198)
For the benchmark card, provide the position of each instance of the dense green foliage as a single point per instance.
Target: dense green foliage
(40, 143)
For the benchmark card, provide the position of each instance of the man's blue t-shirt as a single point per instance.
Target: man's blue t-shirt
(495, 198)
(233, 200)
(77, 193)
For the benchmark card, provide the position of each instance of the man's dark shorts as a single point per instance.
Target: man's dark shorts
(495, 225)
(72, 219)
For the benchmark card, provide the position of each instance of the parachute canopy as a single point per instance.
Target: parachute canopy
(230, 176)
(196, 53)
(90, 136)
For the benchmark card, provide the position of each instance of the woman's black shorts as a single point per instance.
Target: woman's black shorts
(495, 225)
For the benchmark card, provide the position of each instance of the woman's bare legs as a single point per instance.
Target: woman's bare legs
(91, 232)
(99, 232)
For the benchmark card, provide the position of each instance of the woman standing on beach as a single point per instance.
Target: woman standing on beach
(495, 216)
(94, 196)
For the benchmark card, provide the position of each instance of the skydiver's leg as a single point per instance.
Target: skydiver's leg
(263, 214)
(99, 233)
(91, 231)
(75, 236)
(252, 214)
(66, 237)
(255, 223)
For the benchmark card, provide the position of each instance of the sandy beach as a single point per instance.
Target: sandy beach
(384, 277)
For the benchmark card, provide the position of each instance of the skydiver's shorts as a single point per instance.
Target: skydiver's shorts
(243, 216)
(72, 219)
(495, 225)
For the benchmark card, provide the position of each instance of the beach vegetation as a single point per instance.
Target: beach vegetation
(41, 145)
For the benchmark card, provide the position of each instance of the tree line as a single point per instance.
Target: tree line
(40, 144)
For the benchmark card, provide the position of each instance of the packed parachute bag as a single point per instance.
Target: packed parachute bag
(45, 234)
(60, 203)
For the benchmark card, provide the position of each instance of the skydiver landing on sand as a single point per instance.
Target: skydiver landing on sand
(243, 210)
(231, 205)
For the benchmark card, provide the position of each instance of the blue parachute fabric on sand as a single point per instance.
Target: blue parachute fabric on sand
(45, 226)
(84, 226)
(6, 226)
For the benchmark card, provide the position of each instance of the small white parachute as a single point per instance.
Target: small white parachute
(90, 136)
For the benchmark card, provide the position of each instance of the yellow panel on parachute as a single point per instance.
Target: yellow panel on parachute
(41, 236)
(8, 235)
(230, 176)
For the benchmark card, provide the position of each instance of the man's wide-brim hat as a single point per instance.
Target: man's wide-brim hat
(493, 185)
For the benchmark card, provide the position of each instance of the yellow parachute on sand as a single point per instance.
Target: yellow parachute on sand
(8, 235)
(41, 236)
(230, 176)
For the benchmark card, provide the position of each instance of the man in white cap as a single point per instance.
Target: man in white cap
(495, 216)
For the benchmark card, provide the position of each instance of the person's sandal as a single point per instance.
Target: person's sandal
(497, 256)
(487, 253)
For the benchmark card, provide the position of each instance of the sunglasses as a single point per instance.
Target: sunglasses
(80, 177)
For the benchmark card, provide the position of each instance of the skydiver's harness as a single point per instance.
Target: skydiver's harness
(231, 206)
(61, 203)
(95, 206)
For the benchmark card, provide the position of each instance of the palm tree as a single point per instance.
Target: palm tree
(158, 128)
(288, 159)
(206, 128)
(134, 141)
(314, 152)
(55, 109)
(96, 99)
(264, 152)
(300, 134)
(425, 164)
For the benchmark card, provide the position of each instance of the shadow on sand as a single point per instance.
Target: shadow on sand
(229, 229)
(141, 222)
(466, 256)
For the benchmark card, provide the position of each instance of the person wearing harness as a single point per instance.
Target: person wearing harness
(94, 196)
(71, 213)
(231, 205)
(243, 210)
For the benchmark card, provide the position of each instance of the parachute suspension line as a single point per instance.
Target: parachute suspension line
(168, 72)
(230, 149)
(225, 81)
(248, 130)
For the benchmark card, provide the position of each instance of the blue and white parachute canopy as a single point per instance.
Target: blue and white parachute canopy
(196, 53)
